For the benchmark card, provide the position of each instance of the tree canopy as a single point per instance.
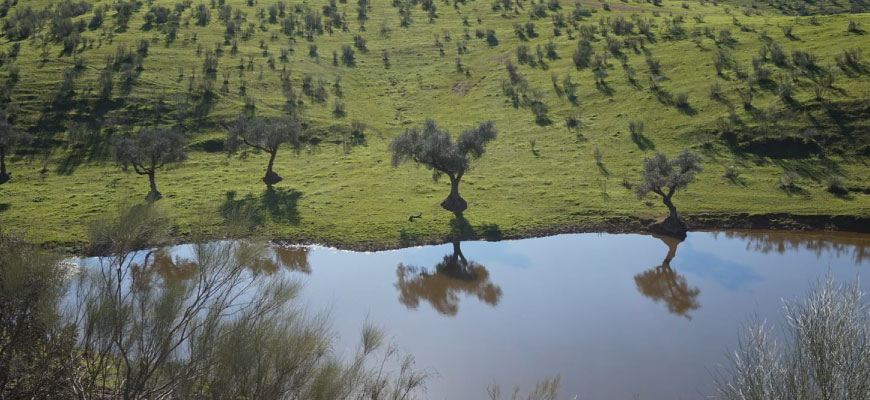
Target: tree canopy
(433, 147)
(149, 151)
(266, 134)
(664, 177)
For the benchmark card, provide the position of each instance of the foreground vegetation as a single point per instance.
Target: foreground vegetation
(580, 93)
(826, 354)
(128, 328)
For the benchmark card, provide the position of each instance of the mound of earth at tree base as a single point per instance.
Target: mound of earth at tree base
(670, 226)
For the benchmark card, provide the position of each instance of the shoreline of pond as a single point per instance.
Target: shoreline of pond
(612, 224)
(784, 222)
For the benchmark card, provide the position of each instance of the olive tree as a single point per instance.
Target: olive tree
(432, 146)
(664, 177)
(149, 151)
(9, 138)
(266, 135)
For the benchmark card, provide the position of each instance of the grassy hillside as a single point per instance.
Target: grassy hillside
(781, 153)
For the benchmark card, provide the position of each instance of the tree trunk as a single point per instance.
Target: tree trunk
(671, 208)
(153, 195)
(672, 225)
(4, 177)
(457, 252)
(454, 202)
(271, 177)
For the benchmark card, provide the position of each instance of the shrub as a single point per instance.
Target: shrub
(788, 181)
(784, 90)
(360, 43)
(654, 65)
(573, 121)
(523, 55)
(347, 56)
(777, 55)
(716, 91)
(541, 112)
(636, 128)
(850, 59)
(338, 109)
(551, 50)
(731, 173)
(745, 97)
(803, 59)
(682, 100)
(583, 54)
(490, 38)
(826, 351)
(836, 184)
(202, 15)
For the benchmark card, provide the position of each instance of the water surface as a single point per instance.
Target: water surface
(617, 316)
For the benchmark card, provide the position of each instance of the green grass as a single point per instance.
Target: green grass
(354, 197)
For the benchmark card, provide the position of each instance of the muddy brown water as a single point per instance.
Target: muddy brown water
(617, 316)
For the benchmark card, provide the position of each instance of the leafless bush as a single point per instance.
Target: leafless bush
(826, 354)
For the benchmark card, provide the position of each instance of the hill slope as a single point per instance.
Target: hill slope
(197, 65)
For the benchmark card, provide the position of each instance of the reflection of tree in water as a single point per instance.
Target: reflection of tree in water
(172, 268)
(453, 276)
(293, 258)
(840, 243)
(662, 283)
(161, 263)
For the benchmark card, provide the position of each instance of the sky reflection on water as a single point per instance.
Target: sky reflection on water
(617, 316)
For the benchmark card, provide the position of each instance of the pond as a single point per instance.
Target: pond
(618, 316)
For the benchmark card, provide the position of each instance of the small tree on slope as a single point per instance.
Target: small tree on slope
(432, 146)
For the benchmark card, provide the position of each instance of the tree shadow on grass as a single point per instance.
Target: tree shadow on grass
(408, 239)
(794, 190)
(96, 147)
(817, 170)
(603, 169)
(461, 229)
(604, 88)
(643, 142)
(839, 193)
(687, 110)
(737, 180)
(4, 207)
(664, 97)
(279, 204)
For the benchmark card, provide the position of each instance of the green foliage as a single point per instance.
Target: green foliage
(151, 149)
(664, 177)
(432, 147)
(34, 347)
